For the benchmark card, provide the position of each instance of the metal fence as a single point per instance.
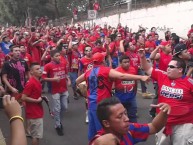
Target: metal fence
(120, 6)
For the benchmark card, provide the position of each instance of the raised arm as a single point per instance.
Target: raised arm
(145, 65)
(117, 75)
(154, 54)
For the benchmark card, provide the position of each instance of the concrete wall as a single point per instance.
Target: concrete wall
(176, 17)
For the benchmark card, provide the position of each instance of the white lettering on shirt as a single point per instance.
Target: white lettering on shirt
(173, 93)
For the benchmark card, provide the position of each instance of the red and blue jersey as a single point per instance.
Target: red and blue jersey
(99, 85)
(125, 89)
(137, 133)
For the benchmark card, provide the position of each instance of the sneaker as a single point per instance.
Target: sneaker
(147, 95)
(61, 125)
(59, 131)
(87, 117)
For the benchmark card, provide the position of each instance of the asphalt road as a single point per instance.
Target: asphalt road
(75, 128)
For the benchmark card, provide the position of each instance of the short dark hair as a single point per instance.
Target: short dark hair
(123, 57)
(180, 63)
(98, 42)
(53, 52)
(137, 36)
(175, 38)
(11, 47)
(33, 64)
(103, 108)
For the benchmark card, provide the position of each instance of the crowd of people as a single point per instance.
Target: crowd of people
(99, 63)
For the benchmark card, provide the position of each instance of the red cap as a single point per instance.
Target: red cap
(99, 57)
(164, 43)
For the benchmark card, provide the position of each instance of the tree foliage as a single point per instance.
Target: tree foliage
(16, 11)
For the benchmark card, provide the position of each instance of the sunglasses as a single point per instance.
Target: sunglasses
(171, 66)
(88, 50)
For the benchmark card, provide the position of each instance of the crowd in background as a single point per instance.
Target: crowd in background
(25, 51)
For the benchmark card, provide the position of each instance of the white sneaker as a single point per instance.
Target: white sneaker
(86, 117)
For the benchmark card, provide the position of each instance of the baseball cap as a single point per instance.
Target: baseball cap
(179, 48)
(165, 43)
(99, 57)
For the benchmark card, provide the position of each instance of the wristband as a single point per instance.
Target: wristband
(15, 117)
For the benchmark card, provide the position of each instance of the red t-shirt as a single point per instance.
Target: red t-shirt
(178, 92)
(56, 69)
(81, 48)
(85, 64)
(33, 89)
(113, 49)
(151, 45)
(164, 61)
(96, 6)
(134, 59)
(128, 85)
(37, 52)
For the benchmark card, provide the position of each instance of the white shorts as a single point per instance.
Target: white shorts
(35, 127)
(181, 135)
(2, 139)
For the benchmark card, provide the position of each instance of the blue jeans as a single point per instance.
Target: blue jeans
(73, 77)
(131, 107)
(93, 125)
(60, 103)
(143, 87)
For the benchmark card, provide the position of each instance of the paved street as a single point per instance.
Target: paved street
(75, 128)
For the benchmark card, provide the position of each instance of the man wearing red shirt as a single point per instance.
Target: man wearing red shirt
(130, 52)
(98, 48)
(34, 109)
(85, 64)
(37, 47)
(73, 59)
(125, 90)
(26, 56)
(176, 89)
(96, 6)
(99, 82)
(117, 130)
(164, 55)
(56, 73)
(149, 45)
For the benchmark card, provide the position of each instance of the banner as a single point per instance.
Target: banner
(92, 14)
